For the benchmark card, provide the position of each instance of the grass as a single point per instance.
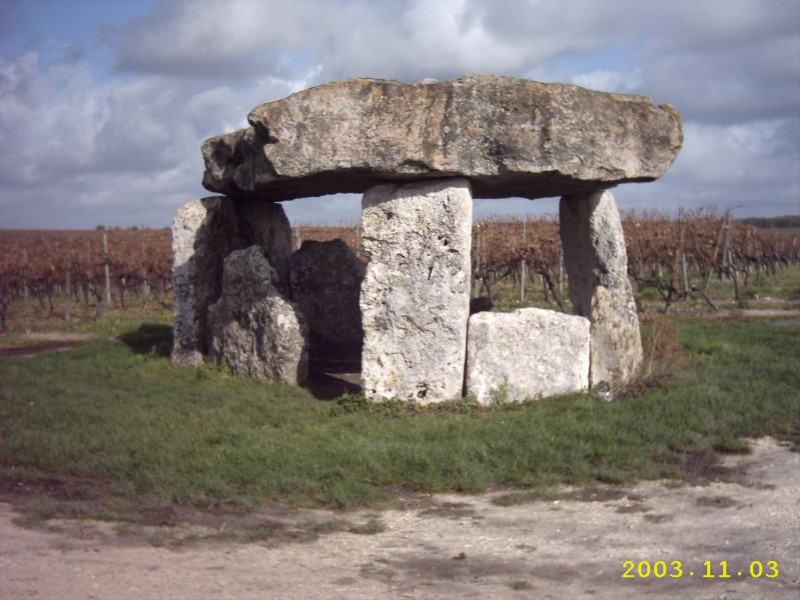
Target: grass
(111, 429)
(520, 584)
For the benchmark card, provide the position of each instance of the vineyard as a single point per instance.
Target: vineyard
(672, 259)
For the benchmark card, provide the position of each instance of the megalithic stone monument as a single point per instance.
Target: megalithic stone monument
(419, 153)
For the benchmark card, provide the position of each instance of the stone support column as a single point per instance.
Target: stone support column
(204, 232)
(415, 295)
(265, 224)
(597, 268)
(252, 327)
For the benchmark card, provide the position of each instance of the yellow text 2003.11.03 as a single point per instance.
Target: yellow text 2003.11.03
(676, 569)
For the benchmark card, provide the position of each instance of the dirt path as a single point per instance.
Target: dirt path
(35, 342)
(450, 547)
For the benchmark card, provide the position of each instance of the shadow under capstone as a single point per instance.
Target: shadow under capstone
(330, 378)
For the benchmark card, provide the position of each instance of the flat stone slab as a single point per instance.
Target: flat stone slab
(508, 136)
(530, 353)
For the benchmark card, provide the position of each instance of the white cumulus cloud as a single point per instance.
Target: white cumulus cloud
(110, 131)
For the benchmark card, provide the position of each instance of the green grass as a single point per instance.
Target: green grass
(130, 433)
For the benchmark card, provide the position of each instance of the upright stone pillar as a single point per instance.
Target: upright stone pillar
(265, 224)
(252, 327)
(415, 294)
(204, 232)
(597, 267)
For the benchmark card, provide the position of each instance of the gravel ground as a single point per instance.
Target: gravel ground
(742, 510)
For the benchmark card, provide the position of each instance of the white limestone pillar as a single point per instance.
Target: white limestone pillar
(596, 262)
(204, 231)
(415, 295)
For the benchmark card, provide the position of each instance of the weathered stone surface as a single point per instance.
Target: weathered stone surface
(252, 327)
(265, 224)
(326, 284)
(204, 231)
(616, 344)
(594, 247)
(509, 136)
(415, 295)
(529, 353)
(594, 256)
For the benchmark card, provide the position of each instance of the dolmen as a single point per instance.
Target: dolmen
(419, 153)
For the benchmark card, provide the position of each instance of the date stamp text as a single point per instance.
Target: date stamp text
(676, 569)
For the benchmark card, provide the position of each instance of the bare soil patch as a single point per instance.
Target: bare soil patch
(741, 509)
(35, 342)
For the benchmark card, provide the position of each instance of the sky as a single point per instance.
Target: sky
(104, 104)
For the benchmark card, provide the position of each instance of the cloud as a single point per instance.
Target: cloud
(74, 144)
(712, 59)
(229, 40)
(112, 133)
(610, 81)
(726, 155)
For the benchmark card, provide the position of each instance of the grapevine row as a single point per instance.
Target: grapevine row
(93, 267)
(675, 256)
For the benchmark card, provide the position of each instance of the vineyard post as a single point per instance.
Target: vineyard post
(774, 248)
(715, 252)
(145, 284)
(673, 281)
(475, 288)
(726, 241)
(25, 273)
(105, 269)
(759, 259)
(298, 238)
(87, 275)
(5, 297)
(684, 270)
(522, 264)
(67, 282)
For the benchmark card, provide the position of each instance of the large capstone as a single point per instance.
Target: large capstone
(595, 256)
(526, 354)
(253, 329)
(415, 295)
(509, 136)
(326, 283)
(204, 231)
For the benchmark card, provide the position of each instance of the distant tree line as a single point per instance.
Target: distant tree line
(787, 221)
